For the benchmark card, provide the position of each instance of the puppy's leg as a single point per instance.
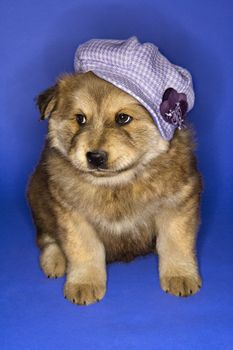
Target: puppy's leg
(176, 248)
(52, 259)
(86, 268)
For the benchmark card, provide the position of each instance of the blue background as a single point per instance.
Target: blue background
(38, 41)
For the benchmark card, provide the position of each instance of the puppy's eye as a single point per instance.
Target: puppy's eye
(81, 119)
(122, 119)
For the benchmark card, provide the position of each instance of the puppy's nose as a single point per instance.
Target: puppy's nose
(97, 159)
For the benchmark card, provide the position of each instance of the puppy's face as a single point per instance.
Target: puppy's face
(104, 132)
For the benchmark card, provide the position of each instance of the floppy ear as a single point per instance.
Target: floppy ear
(47, 101)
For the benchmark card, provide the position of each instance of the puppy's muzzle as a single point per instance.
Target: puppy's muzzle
(97, 159)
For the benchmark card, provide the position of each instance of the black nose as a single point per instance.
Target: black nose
(97, 159)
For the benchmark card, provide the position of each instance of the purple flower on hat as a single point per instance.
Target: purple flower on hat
(174, 107)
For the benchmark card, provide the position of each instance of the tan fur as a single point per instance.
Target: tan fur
(148, 193)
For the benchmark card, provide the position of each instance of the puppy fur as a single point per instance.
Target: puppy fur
(145, 200)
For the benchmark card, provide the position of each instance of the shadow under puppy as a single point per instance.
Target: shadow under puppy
(109, 187)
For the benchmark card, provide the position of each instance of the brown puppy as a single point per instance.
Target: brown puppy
(109, 187)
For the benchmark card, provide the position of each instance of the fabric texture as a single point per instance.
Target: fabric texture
(140, 70)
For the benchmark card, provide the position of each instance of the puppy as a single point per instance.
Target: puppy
(108, 187)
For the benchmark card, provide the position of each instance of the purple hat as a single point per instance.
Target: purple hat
(163, 88)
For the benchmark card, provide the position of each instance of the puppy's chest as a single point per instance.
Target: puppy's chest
(120, 212)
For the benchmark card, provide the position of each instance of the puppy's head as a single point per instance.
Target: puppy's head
(104, 132)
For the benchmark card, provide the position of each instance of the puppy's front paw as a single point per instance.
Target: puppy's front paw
(180, 285)
(84, 293)
(52, 261)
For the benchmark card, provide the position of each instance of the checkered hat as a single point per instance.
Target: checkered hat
(163, 88)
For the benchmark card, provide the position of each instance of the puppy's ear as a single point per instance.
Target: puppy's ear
(47, 101)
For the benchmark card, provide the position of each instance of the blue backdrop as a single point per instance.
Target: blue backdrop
(38, 41)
